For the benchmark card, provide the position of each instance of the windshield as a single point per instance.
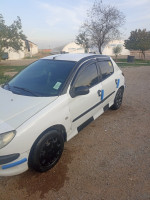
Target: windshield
(42, 78)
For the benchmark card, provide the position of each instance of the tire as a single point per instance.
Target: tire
(46, 151)
(118, 99)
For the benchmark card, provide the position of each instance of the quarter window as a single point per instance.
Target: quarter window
(87, 76)
(106, 69)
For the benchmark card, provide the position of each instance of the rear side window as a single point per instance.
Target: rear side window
(87, 76)
(106, 69)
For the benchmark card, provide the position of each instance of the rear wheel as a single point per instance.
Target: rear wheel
(118, 99)
(46, 151)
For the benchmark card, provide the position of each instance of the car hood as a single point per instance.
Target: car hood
(16, 109)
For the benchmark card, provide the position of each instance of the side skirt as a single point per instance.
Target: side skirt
(82, 126)
(106, 107)
(85, 124)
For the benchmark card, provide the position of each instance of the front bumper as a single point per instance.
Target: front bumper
(9, 165)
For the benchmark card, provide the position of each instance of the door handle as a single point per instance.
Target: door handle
(99, 92)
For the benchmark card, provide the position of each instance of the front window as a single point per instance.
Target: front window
(87, 76)
(42, 78)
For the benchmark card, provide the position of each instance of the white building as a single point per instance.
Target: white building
(28, 50)
(73, 48)
(108, 49)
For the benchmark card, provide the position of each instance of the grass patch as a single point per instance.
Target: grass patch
(4, 69)
(123, 65)
(137, 63)
(136, 60)
(4, 78)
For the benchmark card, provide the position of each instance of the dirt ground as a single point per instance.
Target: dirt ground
(108, 160)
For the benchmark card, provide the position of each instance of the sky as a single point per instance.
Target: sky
(52, 23)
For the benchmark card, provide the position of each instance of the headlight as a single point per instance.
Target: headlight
(5, 138)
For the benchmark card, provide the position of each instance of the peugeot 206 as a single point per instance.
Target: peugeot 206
(49, 102)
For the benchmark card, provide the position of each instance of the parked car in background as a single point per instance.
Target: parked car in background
(49, 102)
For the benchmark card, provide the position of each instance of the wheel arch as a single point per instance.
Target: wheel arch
(58, 127)
(122, 88)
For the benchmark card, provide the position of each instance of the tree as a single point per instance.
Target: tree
(82, 40)
(102, 24)
(117, 50)
(11, 37)
(138, 40)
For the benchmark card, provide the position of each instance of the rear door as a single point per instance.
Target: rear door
(108, 83)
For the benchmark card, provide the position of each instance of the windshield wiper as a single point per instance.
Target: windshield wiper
(6, 85)
(26, 90)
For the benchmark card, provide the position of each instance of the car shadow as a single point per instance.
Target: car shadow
(33, 182)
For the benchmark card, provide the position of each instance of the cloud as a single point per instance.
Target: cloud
(132, 3)
(53, 22)
(56, 15)
(61, 20)
(140, 18)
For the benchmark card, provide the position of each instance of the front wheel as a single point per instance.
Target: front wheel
(118, 99)
(46, 151)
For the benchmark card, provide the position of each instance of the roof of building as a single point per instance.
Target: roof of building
(72, 57)
(30, 42)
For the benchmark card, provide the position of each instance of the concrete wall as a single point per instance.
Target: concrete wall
(139, 55)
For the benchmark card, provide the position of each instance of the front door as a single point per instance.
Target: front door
(85, 108)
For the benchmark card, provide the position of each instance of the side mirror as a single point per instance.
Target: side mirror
(82, 90)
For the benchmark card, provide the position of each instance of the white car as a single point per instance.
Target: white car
(49, 102)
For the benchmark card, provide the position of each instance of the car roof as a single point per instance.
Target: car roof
(74, 57)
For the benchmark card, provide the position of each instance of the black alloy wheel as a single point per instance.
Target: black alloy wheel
(46, 151)
(50, 151)
(118, 99)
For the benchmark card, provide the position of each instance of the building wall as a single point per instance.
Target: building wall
(33, 48)
(73, 48)
(108, 50)
(13, 55)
